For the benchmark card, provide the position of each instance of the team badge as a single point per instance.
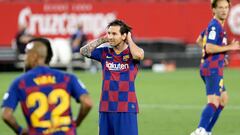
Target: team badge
(125, 57)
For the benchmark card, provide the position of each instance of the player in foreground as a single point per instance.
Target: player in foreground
(120, 59)
(45, 96)
(215, 45)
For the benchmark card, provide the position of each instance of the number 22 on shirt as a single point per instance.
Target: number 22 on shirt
(56, 119)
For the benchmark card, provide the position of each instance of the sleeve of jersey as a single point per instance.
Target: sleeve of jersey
(10, 98)
(213, 34)
(202, 33)
(97, 54)
(77, 88)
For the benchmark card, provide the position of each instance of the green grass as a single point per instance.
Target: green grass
(170, 103)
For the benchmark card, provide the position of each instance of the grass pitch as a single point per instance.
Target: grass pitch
(170, 103)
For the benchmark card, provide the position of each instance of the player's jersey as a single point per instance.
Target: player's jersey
(45, 96)
(119, 73)
(213, 64)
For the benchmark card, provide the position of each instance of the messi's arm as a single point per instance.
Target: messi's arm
(136, 51)
(10, 120)
(88, 48)
(212, 48)
(86, 105)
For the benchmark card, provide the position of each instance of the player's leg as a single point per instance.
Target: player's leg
(209, 110)
(105, 124)
(207, 114)
(126, 124)
(213, 97)
(224, 100)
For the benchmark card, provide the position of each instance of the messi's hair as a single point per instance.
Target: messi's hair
(214, 3)
(124, 28)
(48, 45)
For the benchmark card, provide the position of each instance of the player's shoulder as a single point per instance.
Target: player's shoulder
(18, 79)
(59, 73)
(62, 75)
(70, 75)
(106, 47)
(214, 24)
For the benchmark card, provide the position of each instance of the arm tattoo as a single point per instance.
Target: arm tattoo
(87, 49)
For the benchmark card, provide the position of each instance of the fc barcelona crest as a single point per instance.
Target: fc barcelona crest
(125, 57)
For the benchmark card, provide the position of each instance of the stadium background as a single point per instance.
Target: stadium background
(170, 102)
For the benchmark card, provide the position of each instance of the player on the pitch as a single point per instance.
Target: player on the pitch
(214, 43)
(45, 96)
(120, 60)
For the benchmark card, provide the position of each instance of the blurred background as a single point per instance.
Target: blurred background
(165, 29)
(170, 91)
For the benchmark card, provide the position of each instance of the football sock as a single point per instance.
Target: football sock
(207, 114)
(214, 118)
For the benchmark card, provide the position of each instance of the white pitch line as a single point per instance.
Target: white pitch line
(181, 107)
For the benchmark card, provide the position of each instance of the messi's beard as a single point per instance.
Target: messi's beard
(117, 45)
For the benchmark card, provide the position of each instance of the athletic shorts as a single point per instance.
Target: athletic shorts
(118, 123)
(214, 85)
